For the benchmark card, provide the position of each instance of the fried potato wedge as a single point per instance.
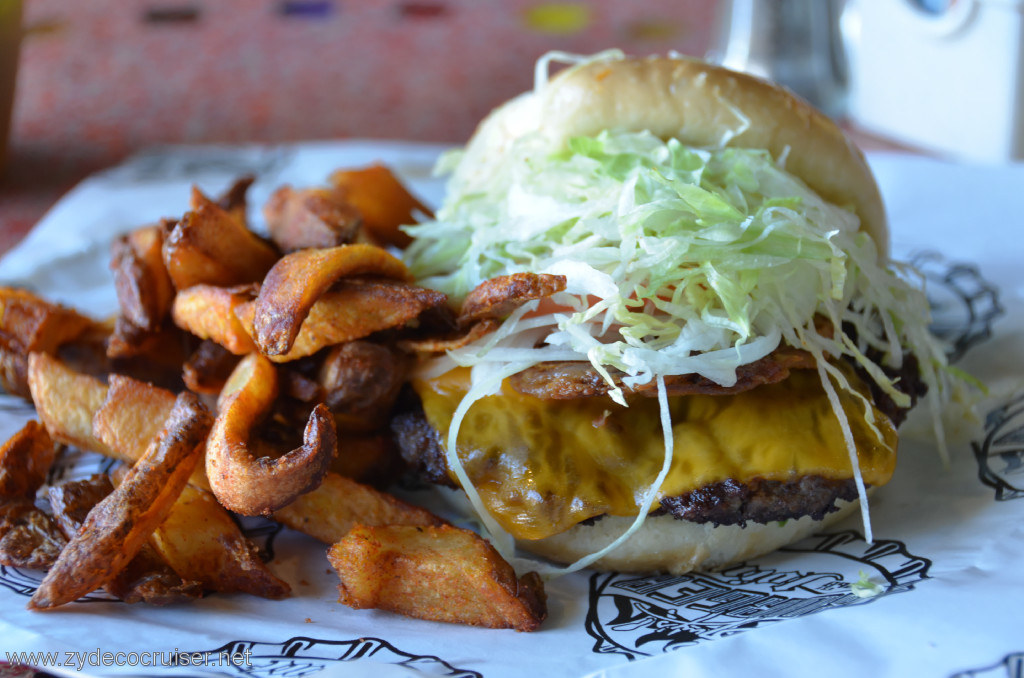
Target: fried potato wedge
(298, 279)
(382, 200)
(495, 298)
(25, 460)
(144, 289)
(130, 418)
(310, 218)
(200, 541)
(233, 200)
(448, 342)
(254, 486)
(29, 323)
(118, 526)
(208, 312)
(339, 504)
(354, 309)
(439, 573)
(210, 246)
(66, 402)
(146, 578)
(29, 538)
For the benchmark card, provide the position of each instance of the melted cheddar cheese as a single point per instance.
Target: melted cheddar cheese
(541, 466)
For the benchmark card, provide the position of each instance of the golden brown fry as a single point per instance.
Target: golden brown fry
(146, 578)
(28, 537)
(24, 461)
(312, 217)
(383, 201)
(29, 323)
(438, 573)
(232, 200)
(249, 485)
(210, 246)
(330, 511)
(295, 282)
(66, 402)
(200, 541)
(208, 312)
(130, 417)
(208, 368)
(495, 298)
(353, 309)
(144, 289)
(116, 528)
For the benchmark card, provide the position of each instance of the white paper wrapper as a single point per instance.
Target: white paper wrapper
(949, 542)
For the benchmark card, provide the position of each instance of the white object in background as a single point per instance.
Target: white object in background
(944, 75)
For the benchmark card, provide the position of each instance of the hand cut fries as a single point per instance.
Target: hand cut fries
(382, 200)
(146, 577)
(310, 218)
(441, 573)
(344, 317)
(330, 511)
(242, 482)
(24, 461)
(118, 526)
(208, 312)
(354, 309)
(211, 246)
(298, 279)
(144, 289)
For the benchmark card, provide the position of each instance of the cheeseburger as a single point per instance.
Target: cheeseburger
(709, 350)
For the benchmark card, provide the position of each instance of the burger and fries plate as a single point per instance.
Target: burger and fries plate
(937, 593)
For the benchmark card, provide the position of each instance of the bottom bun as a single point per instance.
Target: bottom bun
(665, 544)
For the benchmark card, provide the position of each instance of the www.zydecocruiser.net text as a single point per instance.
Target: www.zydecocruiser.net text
(79, 660)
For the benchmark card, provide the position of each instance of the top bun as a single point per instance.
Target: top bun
(699, 104)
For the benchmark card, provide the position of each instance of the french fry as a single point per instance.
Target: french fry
(197, 539)
(382, 200)
(254, 486)
(339, 504)
(208, 312)
(66, 402)
(29, 538)
(130, 417)
(232, 200)
(310, 218)
(200, 541)
(146, 577)
(24, 461)
(144, 289)
(298, 279)
(116, 528)
(210, 246)
(439, 573)
(353, 309)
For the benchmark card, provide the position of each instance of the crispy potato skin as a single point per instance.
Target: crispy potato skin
(208, 312)
(118, 526)
(146, 577)
(310, 218)
(297, 280)
(440, 573)
(382, 200)
(495, 298)
(29, 538)
(339, 504)
(144, 289)
(259, 486)
(24, 461)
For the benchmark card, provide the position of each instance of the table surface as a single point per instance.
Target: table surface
(99, 81)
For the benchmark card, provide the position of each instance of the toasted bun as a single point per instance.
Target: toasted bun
(664, 544)
(700, 105)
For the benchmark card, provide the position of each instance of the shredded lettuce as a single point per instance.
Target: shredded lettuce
(678, 260)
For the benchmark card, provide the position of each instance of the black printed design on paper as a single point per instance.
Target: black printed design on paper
(75, 464)
(964, 305)
(639, 616)
(300, 657)
(1000, 455)
(164, 164)
(24, 582)
(1012, 666)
